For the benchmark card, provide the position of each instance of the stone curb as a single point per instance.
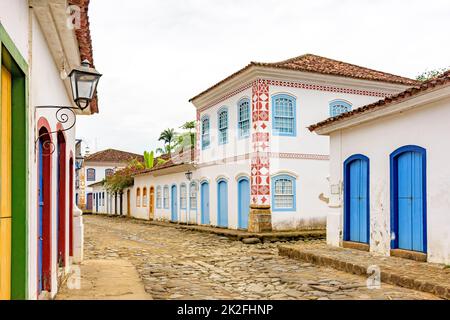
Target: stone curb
(387, 275)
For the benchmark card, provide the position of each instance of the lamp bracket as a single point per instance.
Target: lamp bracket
(62, 116)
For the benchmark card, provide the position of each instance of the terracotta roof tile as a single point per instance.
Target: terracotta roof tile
(442, 80)
(112, 155)
(85, 41)
(317, 64)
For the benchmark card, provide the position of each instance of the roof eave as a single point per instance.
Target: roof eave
(258, 71)
(405, 104)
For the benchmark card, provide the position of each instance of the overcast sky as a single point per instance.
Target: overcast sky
(156, 54)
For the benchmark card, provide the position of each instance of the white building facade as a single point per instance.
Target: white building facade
(256, 166)
(389, 175)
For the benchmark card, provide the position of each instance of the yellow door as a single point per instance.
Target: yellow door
(5, 186)
(152, 203)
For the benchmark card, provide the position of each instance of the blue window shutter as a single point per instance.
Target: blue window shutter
(244, 118)
(338, 107)
(284, 122)
(284, 193)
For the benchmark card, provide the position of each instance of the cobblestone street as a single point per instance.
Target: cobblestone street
(180, 264)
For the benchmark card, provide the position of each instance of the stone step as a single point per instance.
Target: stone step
(421, 276)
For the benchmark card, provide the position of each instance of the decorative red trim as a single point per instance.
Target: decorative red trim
(299, 85)
(307, 86)
(71, 203)
(43, 125)
(62, 198)
(60, 128)
(260, 158)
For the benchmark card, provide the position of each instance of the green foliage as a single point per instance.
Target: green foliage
(431, 74)
(188, 138)
(168, 136)
(123, 178)
(161, 161)
(149, 159)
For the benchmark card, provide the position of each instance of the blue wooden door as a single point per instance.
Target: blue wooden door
(174, 205)
(222, 204)
(243, 203)
(205, 203)
(97, 199)
(410, 201)
(40, 216)
(357, 206)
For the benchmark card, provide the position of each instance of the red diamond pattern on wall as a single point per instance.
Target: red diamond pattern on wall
(260, 162)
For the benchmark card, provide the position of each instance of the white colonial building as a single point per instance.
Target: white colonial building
(95, 169)
(389, 174)
(41, 41)
(256, 166)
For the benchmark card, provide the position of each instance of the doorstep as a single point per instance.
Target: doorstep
(427, 277)
(240, 235)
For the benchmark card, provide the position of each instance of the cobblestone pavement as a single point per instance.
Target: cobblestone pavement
(179, 264)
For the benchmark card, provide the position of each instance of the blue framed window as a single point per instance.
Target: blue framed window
(166, 197)
(223, 125)
(338, 107)
(183, 196)
(205, 132)
(158, 197)
(109, 172)
(283, 193)
(284, 115)
(244, 118)
(193, 196)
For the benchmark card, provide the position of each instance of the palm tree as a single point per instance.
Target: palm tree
(190, 125)
(168, 136)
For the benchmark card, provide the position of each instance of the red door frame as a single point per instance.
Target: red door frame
(47, 209)
(62, 200)
(71, 204)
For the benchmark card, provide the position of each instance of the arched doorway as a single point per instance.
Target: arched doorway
(128, 203)
(356, 199)
(71, 204)
(174, 205)
(61, 196)
(44, 239)
(408, 199)
(121, 203)
(152, 203)
(222, 203)
(243, 202)
(204, 193)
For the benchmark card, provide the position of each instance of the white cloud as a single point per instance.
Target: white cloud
(155, 55)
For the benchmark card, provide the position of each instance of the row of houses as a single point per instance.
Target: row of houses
(260, 164)
(44, 48)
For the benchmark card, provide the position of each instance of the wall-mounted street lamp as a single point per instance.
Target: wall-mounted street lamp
(84, 81)
(188, 175)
